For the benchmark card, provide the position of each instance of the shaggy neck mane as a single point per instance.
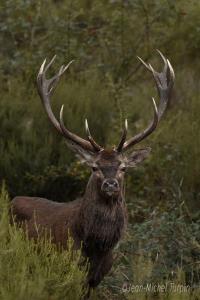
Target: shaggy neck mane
(102, 220)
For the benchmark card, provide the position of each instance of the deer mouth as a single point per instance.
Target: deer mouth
(110, 193)
(114, 192)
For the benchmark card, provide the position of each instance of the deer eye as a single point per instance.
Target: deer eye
(94, 169)
(123, 169)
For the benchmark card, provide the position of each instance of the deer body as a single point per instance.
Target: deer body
(39, 214)
(97, 225)
(98, 220)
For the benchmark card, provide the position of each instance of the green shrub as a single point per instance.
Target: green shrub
(36, 271)
(162, 250)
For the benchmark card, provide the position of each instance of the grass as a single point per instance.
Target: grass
(36, 271)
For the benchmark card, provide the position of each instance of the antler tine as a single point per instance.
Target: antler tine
(142, 61)
(90, 138)
(172, 75)
(123, 138)
(41, 71)
(140, 136)
(45, 88)
(50, 63)
(54, 80)
(66, 132)
(71, 136)
(164, 83)
(163, 58)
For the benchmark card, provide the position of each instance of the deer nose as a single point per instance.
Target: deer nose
(110, 185)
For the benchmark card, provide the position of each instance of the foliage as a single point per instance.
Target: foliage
(163, 251)
(35, 271)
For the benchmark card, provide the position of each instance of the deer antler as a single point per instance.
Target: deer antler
(45, 90)
(164, 83)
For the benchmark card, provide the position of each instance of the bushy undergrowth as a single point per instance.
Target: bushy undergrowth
(162, 250)
(35, 271)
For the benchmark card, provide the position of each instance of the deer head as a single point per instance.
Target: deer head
(108, 166)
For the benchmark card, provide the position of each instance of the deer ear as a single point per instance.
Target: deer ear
(85, 156)
(137, 156)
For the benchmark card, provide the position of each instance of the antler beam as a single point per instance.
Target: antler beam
(45, 90)
(164, 83)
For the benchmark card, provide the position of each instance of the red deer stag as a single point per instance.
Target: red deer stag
(96, 221)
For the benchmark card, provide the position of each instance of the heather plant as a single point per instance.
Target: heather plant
(30, 270)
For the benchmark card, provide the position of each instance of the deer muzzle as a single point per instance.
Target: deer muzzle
(110, 186)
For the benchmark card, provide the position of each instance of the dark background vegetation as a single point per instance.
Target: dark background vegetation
(107, 84)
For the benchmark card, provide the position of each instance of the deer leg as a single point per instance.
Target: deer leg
(98, 269)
